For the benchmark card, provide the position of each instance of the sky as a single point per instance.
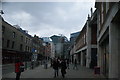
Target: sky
(48, 18)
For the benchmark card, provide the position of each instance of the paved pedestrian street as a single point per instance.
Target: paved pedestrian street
(41, 72)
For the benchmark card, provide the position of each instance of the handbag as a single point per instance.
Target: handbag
(22, 68)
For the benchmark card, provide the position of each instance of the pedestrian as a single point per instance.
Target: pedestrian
(63, 68)
(67, 61)
(51, 62)
(19, 67)
(32, 64)
(75, 64)
(56, 65)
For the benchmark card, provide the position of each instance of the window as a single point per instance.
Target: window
(13, 44)
(26, 48)
(3, 29)
(21, 38)
(21, 47)
(103, 12)
(8, 43)
(13, 34)
(84, 39)
(26, 40)
(107, 6)
(2, 42)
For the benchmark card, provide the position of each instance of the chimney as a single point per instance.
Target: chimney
(88, 16)
(91, 11)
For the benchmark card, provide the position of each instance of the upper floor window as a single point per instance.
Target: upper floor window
(8, 43)
(84, 39)
(21, 47)
(21, 38)
(26, 40)
(2, 42)
(13, 44)
(26, 48)
(13, 34)
(103, 12)
(3, 29)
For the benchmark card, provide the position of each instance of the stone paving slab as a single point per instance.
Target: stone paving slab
(40, 72)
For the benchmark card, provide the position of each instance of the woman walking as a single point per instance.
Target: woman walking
(19, 67)
(63, 68)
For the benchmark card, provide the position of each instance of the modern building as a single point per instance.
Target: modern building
(73, 37)
(108, 38)
(61, 45)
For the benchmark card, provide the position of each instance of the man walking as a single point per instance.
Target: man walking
(75, 64)
(56, 65)
(63, 68)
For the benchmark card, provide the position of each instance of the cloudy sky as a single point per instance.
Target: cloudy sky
(48, 18)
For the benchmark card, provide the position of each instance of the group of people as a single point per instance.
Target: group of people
(59, 64)
(56, 63)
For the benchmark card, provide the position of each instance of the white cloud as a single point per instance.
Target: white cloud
(49, 19)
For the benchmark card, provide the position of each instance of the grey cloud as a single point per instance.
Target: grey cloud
(47, 18)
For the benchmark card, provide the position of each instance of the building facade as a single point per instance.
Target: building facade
(37, 48)
(16, 43)
(73, 37)
(61, 45)
(108, 39)
(86, 43)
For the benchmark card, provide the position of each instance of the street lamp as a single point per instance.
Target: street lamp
(44, 44)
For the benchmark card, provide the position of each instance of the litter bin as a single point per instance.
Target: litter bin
(96, 70)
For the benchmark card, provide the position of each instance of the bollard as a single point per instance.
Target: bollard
(96, 70)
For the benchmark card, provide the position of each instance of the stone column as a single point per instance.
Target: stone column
(88, 39)
(81, 58)
(114, 48)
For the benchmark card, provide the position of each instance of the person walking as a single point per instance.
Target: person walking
(19, 67)
(32, 64)
(51, 62)
(75, 64)
(55, 66)
(67, 61)
(63, 68)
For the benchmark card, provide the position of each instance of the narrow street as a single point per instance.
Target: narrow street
(41, 72)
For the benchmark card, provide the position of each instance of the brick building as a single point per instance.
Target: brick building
(86, 43)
